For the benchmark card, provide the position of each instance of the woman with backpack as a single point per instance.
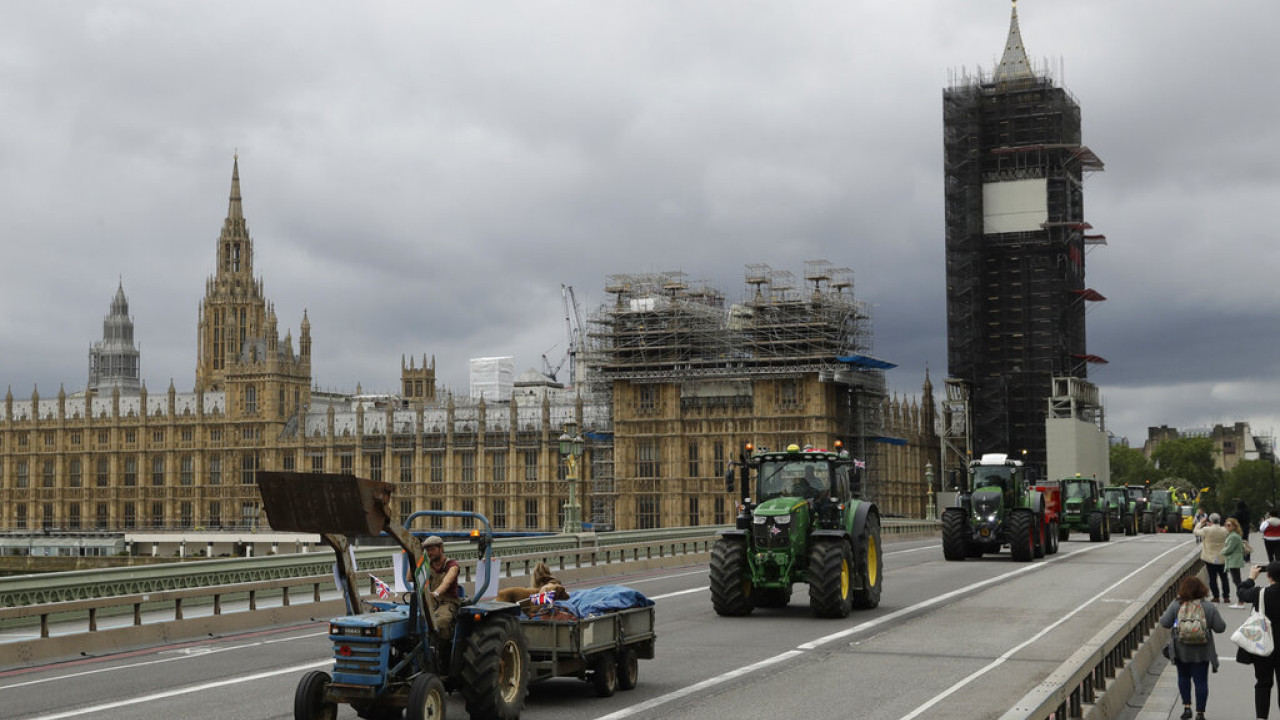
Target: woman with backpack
(1193, 620)
(1265, 669)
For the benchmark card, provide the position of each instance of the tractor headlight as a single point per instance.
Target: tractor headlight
(782, 520)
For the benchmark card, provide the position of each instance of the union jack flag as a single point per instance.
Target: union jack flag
(383, 590)
(542, 598)
(860, 464)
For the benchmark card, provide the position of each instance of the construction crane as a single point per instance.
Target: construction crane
(573, 329)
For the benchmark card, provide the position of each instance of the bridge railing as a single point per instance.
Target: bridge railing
(280, 590)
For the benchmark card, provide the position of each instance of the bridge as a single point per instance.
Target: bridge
(1066, 636)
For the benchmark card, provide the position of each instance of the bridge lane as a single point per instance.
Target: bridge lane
(885, 670)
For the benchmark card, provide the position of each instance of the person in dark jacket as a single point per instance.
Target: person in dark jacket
(1266, 670)
(1193, 661)
(1246, 522)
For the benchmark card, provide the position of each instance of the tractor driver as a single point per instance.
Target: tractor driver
(811, 486)
(442, 580)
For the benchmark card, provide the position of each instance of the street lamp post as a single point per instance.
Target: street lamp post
(571, 445)
(931, 507)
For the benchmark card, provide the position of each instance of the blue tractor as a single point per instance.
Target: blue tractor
(388, 657)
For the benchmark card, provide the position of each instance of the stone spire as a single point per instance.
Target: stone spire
(1014, 64)
(234, 209)
(115, 361)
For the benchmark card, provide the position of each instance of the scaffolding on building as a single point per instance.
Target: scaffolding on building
(1015, 282)
(662, 327)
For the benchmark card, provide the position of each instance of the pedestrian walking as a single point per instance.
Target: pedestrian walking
(1233, 556)
(1266, 670)
(1270, 529)
(1192, 621)
(1215, 540)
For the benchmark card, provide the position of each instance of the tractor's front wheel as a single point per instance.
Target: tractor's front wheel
(1022, 527)
(495, 669)
(1148, 523)
(731, 588)
(831, 579)
(1130, 525)
(870, 563)
(308, 699)
(1097, 525)
(426, 698)
(773, 597)
(955, 532)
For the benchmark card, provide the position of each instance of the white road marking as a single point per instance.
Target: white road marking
(181, 691)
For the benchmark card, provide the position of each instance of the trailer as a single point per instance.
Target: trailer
(604, 650)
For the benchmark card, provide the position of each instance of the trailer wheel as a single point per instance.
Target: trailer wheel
(426, 698)
(730, 578)
(1064, 533)
(604, 675)
(1052, 536)
(955, 530)
(628, 668)
(1038, 548)
(1022, 526)
(494, 671)
(870, 565)
(308, 699)
(830, 579)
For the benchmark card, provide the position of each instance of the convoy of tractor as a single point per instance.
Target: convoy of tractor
(801, 520)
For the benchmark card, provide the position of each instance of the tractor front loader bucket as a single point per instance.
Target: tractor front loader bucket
(313, 503)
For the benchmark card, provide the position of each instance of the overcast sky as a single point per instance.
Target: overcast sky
(421, 177)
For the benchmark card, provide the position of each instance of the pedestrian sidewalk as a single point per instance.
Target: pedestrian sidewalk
(1230, 689)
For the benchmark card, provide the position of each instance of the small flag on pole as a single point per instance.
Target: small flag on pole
(380, 587)
(860, 464)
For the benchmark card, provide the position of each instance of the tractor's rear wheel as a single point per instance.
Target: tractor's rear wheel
(870, 564)
(1148, 523)
(830, 579)
(1064, 533)
(426, 698)
(1130, 525)
(1096, 524)
(1022, 527)
(1052, 536)
(955, 533)
(495, 669)
(731, 588)
(308, 699)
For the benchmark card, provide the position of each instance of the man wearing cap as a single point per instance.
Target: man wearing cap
(1211, 552)
(442, 580)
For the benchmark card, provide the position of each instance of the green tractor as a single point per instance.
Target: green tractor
(999, 510)
(805, 523)
(1122, 511)
(1147, 520)
(1085, 509)
(1165, 511)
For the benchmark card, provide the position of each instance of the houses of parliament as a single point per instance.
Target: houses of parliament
(668, 391)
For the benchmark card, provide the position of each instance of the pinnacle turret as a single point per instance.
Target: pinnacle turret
(1013, 63)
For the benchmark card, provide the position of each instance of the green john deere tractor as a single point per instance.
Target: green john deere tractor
(1165, 511)
(1147, 520)
(1122, 510)
(1084, 509)
(999, 510)
(804, 523)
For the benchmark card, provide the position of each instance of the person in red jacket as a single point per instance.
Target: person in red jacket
(1270, 529)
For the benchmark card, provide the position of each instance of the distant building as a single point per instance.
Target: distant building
(1016, 240)
(1231, 443)
(676, 383)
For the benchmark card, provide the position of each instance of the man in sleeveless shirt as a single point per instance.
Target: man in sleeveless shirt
(442, 580)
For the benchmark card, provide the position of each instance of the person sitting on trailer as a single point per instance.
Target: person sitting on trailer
(442, 581)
